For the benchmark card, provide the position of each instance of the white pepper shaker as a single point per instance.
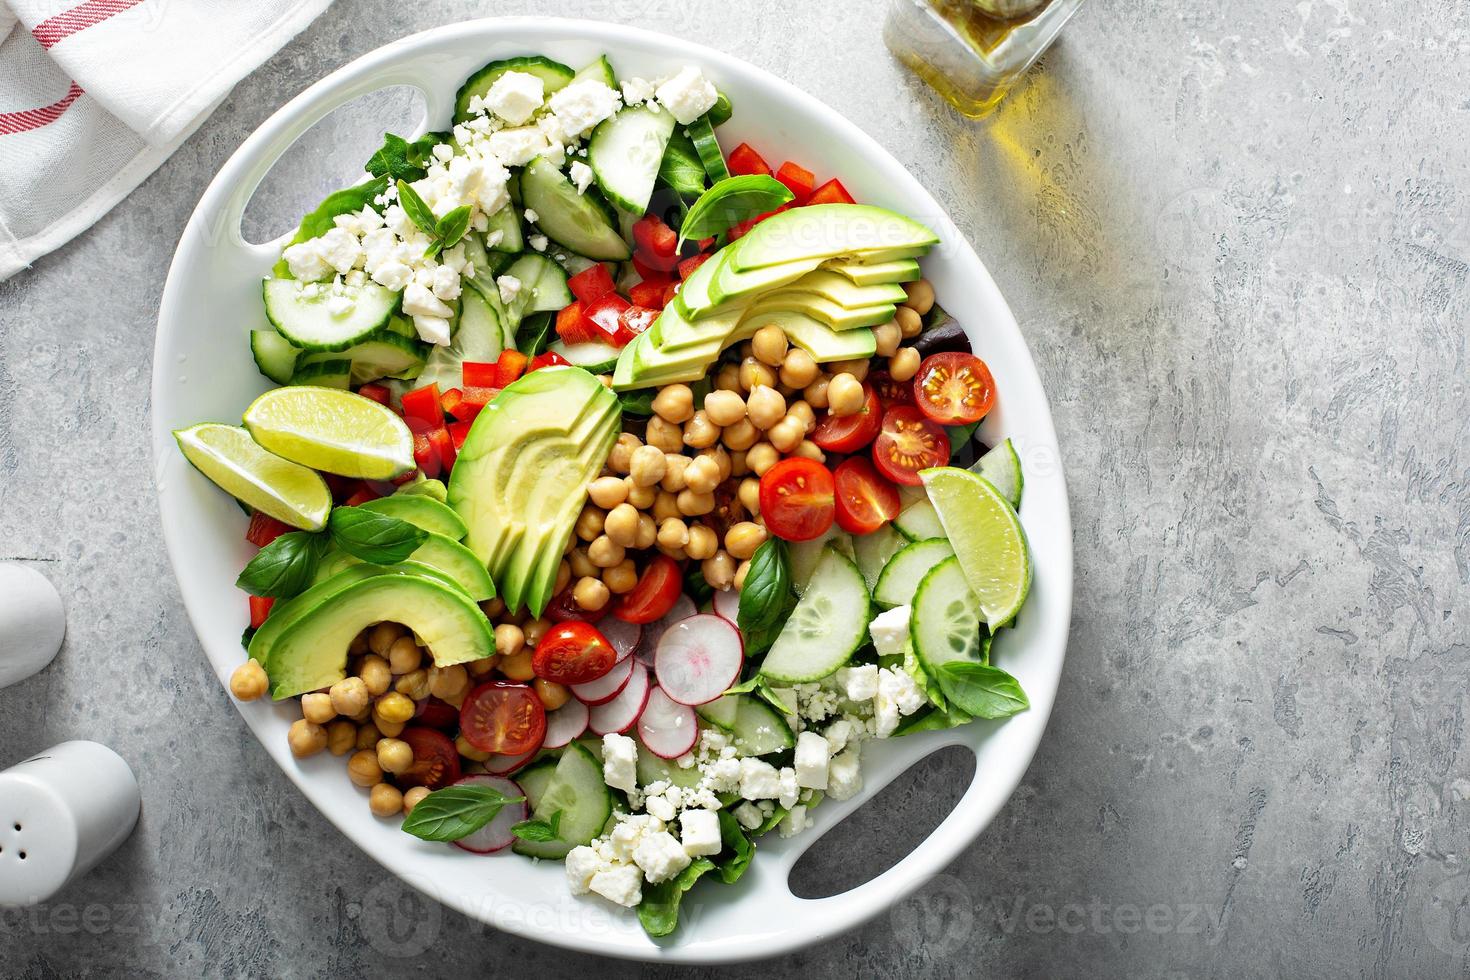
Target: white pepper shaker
(61, 812)
(32, 623)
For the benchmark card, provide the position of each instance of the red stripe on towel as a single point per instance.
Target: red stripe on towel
(19, 122)
(84, 15)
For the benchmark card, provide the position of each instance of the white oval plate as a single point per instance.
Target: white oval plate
(202, 371)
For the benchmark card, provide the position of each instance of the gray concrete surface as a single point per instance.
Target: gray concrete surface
(1236, 237)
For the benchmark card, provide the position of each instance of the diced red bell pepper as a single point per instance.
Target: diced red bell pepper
(480, 374)
(592, 283)
(458, 433)
(605, 318)
(832, 192)
(361, 495)
(797, 179)
(433, 449)
(644, 270)
(474, 401)
(547, 359)
(649, 292)
(423, 403)
(444, 446)
(571, 327)
(744, 160)
(636, 319)
(260, 608)
(511, 365)
(653, 237)
(451, 401)
(378, 393)
(264, 529)
(687, 267)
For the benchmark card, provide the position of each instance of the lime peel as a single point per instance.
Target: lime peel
(333, 431)
(238, 465)
(987, 537)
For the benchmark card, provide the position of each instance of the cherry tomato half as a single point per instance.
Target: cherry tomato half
(890, 392)
(909, 442)
(797, 499)
(850, 433)
(573, 653)
(658, 588)
(954, 388)
(435, 759)
(865, 501)
(503, 719)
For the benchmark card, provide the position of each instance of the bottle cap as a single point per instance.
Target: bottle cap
(32, 623)
(61, 812)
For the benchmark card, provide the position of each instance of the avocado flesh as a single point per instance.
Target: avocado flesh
(732, 286)
(826, 231)
(311, 652)
(819, 340)
(820, 308)
(420, 511)
(444, 555)
(673, 331)
(872, 274)
(846, 293)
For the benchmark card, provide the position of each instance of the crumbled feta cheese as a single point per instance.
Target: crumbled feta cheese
(660, 855)
(699, 832)
(356, 278)
(722, 775)
(419, 301)
(515, 96)
(688, 95)
(338, 305)
(531, 216)
(446, 283)
(622, 884)
(619, 762)
(393, 275)
(749, 815)
(306, 261)
(582, 864)
(432, 329)
(518, 147)
(759, 780)
(897, 695)
(510, 288)
(845, 776)
(582, 105)
(839, 733)
(794, 822)
(443, 152)
(890, 631)
(660, 806)
(636, 90)
(813, 753)
(790, 790)
(581, 175)
(539, 242)
(859, 683)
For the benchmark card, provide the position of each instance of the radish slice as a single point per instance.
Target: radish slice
(667, 728)
(606, 687)
(619, 714)
(504, 765)
(683, 608)
(698, 659)
(565, 724)
(727, 605)
(495, 834)
(623, 636)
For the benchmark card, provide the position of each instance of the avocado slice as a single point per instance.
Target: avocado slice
(871, 273)
(674, 331)
(420, 511)
(820, 308)
(827, 231)
(444, 555)
(310, 652)
(819, 340)
(846, 293)
(730, 286)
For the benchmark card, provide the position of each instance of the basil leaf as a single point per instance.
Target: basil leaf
(766, 599)
(639, 403)
(451, 228)
(348, 201)
(374, 537)
(731, 201)
(247, 636)
(740, 848)
(932, 720)
(455, 812)
(659, 910)
(283, 568)
(533, 331)
(541, 831)
(398, 159)
(981, 690)
(418, 212)
(681, 168)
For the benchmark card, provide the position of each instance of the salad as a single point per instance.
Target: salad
(614, 489)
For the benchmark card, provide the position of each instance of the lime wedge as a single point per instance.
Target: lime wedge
(333, 431)
(1002, 467)
(987, 537)
(278, 487)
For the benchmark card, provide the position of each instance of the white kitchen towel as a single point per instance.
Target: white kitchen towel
(95, 95)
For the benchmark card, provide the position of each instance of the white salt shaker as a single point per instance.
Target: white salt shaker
(61, 812)
(32, 623)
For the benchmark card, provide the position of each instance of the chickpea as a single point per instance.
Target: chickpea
(621, 526)
(675, 469)
(769, 345)
(394, 755)
(517, 666)
(728, 378)
(363, 768)
(349, 696)
(798, 369)
(389, 729)
(762, 456)
(590, 594)
(857, 367)
(385, 800)
(816, 392)
(910, 324)
(738, 465)
(317, 708)
(721, 458)
(447, 683)
(484, 667)
(647, 531)
(642, 497)
(666, 506)
(414, 685)
(249, 681)
(382, 637)
(886, 338)
(724, 407)
(535, 629)
(413, 798)
(741, 571)
(766, 407)
(394, 708)
(787, 434)
(552, 694)
(492, 607)
(463, 747)
(673, 533)
(904, 365)
(744, 538)
(341, 737)
(607, 492)
(605, 380)
(810, 450)
(581, 564)
(700, 432)
(668, 436)
(647, 465)
(740, 436)
(404, 655)
(693, 504)
(753, 374)
(703, 542)
(845, 395)
(749, 495)
(375, 674)
(622, 452)
(306, 738)
(563, 576)
(621, 578)
(604, 554)
(703, 475)
(367, 736)
(589, 523)
(921, 296)
(674, 403)
(718, 571)
(803, 411)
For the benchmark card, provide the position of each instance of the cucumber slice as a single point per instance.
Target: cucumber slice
(553, 74)
(593, 357)
(384, 355)
(806, 555)
(758, 728)
(333, 373)
(905, 570)
(543, 285)
(721, 111)
(721, 711)
(652, 769)
(708, 148)
(918, 521)
(534, 779)
(872, 551)
(274, 355)
(479, 338)
(300, 313)
(625, 153)
(508, 223)
(1001, 466)
(577, 790)
(600, 70)
(571, 219)
(827, 626)
(945, 624)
